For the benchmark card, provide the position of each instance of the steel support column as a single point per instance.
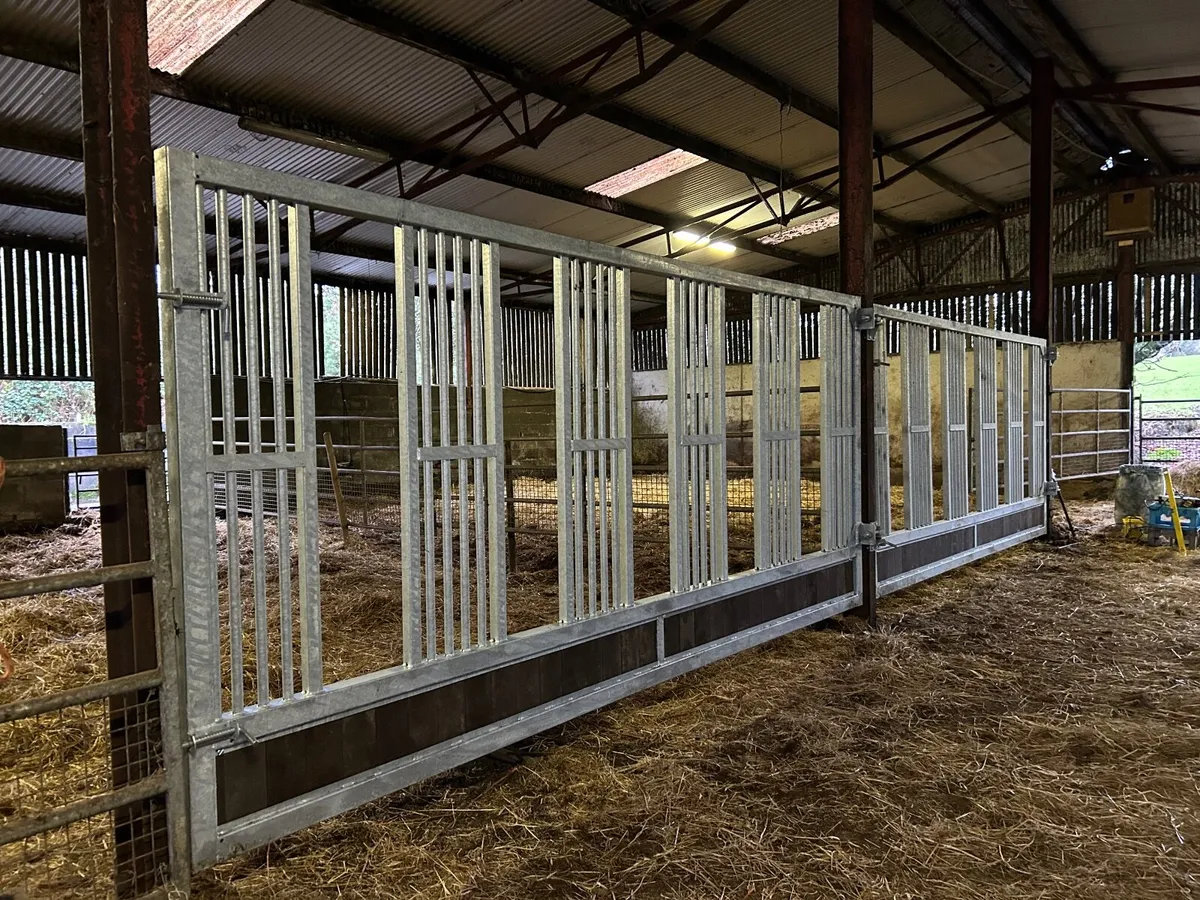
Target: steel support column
(1041, 225)
(115, 101)
(1123, 278)
(856, 20)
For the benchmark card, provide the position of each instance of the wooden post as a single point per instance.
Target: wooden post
(337, 488)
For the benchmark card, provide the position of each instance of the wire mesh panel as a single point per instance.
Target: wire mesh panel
(1038, 400)
(955, 440)
(986, 424)
(839, 428)
(696, 433)
(594, 438)
(1014, 417)
(917, 419)
(777, 469)
(452, 494)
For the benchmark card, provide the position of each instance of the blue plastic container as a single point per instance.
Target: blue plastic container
(1158, 515)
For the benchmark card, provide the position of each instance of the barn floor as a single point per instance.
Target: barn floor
(1026, 727)
(1023, 728)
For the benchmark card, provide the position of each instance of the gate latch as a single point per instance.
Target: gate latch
(195, 299)
(217, 734)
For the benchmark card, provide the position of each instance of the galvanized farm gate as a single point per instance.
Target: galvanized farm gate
(270, 752)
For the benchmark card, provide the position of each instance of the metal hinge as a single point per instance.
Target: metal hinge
(869, 534)
(866, 319)
(196, 299)
(1052, 354)
(1050, 488)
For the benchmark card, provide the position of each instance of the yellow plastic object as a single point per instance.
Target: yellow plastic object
(1175, 515)
(1131, 524)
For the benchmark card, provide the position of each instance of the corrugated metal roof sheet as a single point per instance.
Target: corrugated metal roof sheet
(39, 97)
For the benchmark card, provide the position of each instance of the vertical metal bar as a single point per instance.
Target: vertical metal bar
(493, 337)
(254, 439)
(477, 375)
(444, 366)
(427, 369)
(564, 378)
(229, 435)
(718, 478)
(589, 427)
(623, 418)
(304, 377)
(955, 468)
(280, 444)
(408, 434)
(705, 427)
(603, 343)
(1014, 414)
(1039, 473)
(916, 415)
(759, 386)
(693, 430)
(987, 488)
(883, 465)
(678, 515)
(460, 405)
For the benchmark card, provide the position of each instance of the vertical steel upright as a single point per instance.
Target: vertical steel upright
(115, 101)
(1041, 242)
(856, 21)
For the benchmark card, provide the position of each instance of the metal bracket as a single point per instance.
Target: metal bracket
(196, 299)
(222, 732)
(1050, 488)
(1052, 354)
(150, 439)
(869, 534)
(866, 318)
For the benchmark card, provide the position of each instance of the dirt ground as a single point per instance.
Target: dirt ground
(1026, 727)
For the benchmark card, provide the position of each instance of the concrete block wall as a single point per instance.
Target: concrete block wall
(35, 502)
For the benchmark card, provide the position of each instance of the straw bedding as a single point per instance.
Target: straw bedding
(1026, 727)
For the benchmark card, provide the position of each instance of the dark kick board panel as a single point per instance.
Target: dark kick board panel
(272, 771)
(918, 554)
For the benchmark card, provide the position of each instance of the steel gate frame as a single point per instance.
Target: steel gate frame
(250, 780)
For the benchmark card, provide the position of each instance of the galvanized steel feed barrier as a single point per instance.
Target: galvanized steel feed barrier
(267, 755)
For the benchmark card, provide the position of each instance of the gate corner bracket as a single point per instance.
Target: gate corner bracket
(150, 439)
(870, 536)
(1052, 354)
(866, 320)
(1050, 488)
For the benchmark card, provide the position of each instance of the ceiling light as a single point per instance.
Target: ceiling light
(647, 173)
(254, 126)
(182, 31)
(723, 246)
(690, 237)
(812, 226)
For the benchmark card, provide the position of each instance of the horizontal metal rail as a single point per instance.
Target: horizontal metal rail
(65, 581)
(78, 810)
(903, 315)
(369, 206)
(77, 696)
(63, 465)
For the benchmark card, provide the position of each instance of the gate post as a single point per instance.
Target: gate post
(856, 20)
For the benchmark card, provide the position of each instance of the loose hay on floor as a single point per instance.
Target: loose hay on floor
(1022, 728)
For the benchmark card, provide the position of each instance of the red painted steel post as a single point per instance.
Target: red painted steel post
(123, 311)
(856, 21)
(1041, 224)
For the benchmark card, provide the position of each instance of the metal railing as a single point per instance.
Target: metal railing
(133, 814)
(1091, 431)
(1168, 431)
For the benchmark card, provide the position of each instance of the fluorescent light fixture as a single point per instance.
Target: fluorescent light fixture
(647, 173)
(812, 226)
(690, 237)
(723, 246)
(182, 31)
(254, 126)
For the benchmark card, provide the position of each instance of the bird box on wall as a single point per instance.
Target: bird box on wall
(1130, 213)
